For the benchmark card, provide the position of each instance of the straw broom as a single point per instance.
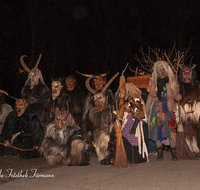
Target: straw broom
(182, 149)
(120, 157)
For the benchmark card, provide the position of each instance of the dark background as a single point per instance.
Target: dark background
(90, 35)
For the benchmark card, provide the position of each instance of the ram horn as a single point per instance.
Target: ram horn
(37, 63)
(4, 92)
(23, 63)
(108, 83)
(87, 84)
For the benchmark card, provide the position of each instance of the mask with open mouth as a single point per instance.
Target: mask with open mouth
(187, 74)
(20, 106)
(56, 89)
(63, 118)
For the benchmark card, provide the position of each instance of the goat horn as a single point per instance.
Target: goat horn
(103, 75)
(194, 65)
(108, 83)
(4, 92)
(85, 75)
(23, 63)
(37, 63)
(87, 84)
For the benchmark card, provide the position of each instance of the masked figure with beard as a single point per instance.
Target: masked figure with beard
(75, 98)
(98, 113)
(54, 103)
(35, 91)
(63, 142)
(161, 107)
(190, 106)
(22, 130)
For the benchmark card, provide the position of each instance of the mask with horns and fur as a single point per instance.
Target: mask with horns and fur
(34, 74)
(99, 96)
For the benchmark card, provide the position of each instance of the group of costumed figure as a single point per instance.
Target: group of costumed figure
(64, 125)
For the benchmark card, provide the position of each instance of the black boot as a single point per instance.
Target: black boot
(173, 152)
(160, 153)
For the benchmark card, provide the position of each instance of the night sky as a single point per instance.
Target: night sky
(90, 35)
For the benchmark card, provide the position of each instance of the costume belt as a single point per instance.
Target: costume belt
(33, 100)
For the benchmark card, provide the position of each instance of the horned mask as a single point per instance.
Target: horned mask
(34, 74)
(187, 73)
(100, 99)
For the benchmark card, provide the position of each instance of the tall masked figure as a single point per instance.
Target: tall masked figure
(54, 103)
(22, 130)
(75, 98)
(190, 106)
(35, 91)
(98, 113)
(161, 107)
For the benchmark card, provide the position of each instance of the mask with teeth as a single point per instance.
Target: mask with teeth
(56, 89)
(34, 79)
(20, 106)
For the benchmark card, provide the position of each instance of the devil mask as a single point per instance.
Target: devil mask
(99, 83)
(62, 118)
(20, 106)
(70, 83)
(187, 74)
(56, 87)
(34, 74)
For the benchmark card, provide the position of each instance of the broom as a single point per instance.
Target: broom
(120, 156)
(182, 149)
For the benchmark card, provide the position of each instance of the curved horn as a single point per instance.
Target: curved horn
(103, 75)
(37, 63)
(108, 83)
(23, 63)
(4, 92)
(194, 66)
(85, 75)
(131, 69)
(87, 84)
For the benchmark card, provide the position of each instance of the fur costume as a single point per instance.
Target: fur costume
(76, 97)
(97, 115)
(23, 131)
(35, 91)
(190, 107)
(59, 100)
(5, 109)
(63, 142)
